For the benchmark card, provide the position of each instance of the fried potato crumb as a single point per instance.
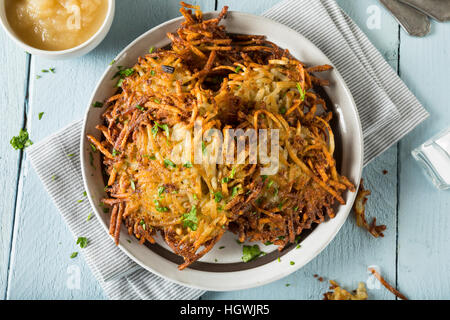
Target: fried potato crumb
(360, 210)
(339, 293)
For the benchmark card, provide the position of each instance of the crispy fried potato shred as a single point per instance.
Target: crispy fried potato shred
(360, 211)
(225, 81)
(339, 293)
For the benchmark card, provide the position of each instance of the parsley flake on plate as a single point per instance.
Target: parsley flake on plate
(250, 252)
(190, 219)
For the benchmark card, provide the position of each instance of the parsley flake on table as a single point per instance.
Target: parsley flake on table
(21, 141)
(250, 252)
(40, 115)
(190, 219)
(73, 255)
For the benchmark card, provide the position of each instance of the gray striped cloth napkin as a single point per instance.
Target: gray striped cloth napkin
(387, 108)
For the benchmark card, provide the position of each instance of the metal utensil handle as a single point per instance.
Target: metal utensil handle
(437, 9)
(413, 21)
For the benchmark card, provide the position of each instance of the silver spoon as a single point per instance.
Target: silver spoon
(413, 21)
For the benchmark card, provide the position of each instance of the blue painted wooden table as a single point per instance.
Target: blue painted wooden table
(35, 244)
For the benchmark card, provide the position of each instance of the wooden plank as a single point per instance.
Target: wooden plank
(347, 257)
(424, 220)
(13, 79)
(41, 267)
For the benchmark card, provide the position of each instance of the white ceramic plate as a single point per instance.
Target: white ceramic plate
(222, 269)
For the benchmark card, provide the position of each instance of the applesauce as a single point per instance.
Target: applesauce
(55, 24)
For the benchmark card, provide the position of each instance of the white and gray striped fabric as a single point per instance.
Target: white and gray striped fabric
(387, 108)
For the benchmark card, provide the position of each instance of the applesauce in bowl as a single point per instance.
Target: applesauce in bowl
(55, 24)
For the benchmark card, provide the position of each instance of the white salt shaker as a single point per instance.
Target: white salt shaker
(434, 157)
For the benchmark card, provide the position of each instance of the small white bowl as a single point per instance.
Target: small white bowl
(74, 52)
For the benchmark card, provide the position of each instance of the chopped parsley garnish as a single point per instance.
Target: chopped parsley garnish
(73, 255)
(159, 208)
(119, 83)
(268, 243)
(156, 100)
(301, 91)
(234, 191)
(292, 263)
(283, 110)
(21, 141)
(233, 172)
(203, 147)
(54, 177)
(93, 147)
(151, 50)
(85, 194)
(142, 223)
(276, 191)
(169, 163)
(89, 217)
(280, 205)
(97, 104)
(296, 208)
(70, 155)
(263, 177)
(82, 241)
(158, 126)
(225, 180)
(287, 284)
(155, 130)
(218, 196)
(115, 152)
(271, 182)
(91, 159)
(112, 62)
(187, 165)
(127, 72)
(40, 115)
(140, 107)
(237, 69)
(190, 219)
(44, 70)
(298, 246)
(152, 72)
(250, 252)
(149, 156)
(52, 70)
(161, 190)
(38, 76)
